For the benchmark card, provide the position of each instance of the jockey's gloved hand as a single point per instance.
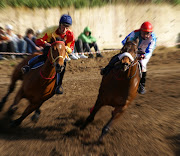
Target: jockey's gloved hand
(140, 51)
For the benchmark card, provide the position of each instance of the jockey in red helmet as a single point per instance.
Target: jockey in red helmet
(147, 44)
(146, 27)
(62, 32)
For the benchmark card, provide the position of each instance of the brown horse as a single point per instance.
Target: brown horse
(119, 87)
(39, 84)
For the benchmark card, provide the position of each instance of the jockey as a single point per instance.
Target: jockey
(147, 43)
(62, 32)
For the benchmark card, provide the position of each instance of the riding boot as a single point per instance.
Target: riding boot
(141, 89)
(28, 67)
(58, 91)
(107, 69)
(59, 88)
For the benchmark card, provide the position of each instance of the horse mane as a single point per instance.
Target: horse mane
(57, 39)
(128, 41)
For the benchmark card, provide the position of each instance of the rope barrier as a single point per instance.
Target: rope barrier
(10, 53)
(103, 51)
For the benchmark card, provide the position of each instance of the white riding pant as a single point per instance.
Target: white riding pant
(144, 62)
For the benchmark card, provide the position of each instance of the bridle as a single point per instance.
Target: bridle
(133, 60)
(52, 58)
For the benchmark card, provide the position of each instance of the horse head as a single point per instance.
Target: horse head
(57, 54)
(128, 54)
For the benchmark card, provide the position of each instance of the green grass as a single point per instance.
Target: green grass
(76, 3)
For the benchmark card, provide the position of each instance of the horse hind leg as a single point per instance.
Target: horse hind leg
(29, 109)
(14, 107)
(10, 90)
(93, 112)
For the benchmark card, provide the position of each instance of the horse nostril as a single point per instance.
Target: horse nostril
(126, 64)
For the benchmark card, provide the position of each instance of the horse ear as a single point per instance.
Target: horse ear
(127, 40)
(53, 38)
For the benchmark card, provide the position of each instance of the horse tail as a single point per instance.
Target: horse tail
(17, 75)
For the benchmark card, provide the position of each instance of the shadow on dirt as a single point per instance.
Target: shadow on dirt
(27, 132)
(175, 142)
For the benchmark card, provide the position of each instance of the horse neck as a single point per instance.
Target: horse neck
(48, 69)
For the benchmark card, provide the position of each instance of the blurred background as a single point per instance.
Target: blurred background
(110, 20)
(149, 127)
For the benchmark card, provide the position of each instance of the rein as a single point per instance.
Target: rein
(133, 64)
(47, 78)
(135, 71)
(134, 61)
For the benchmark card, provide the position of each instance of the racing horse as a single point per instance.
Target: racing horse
(39, 85)
(119, 87)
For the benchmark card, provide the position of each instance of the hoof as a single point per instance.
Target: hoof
(11, 111)
(35, 118)
(2, 104)
(0, 108)
(15, 123)
(100, 140)
(82, 127)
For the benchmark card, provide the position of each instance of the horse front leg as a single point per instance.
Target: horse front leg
(36, 115)
(27, 111)
(115, 115)
(93, 112)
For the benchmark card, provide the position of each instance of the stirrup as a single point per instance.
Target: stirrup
(141, 89)
(25, 69)
(102, 72)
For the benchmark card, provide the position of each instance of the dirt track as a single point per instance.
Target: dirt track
(150, 126)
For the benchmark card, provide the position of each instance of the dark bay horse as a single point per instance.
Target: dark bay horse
(119, 87)
(39, 84)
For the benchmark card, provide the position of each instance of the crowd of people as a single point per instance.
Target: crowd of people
(16, 43)
(11, 42)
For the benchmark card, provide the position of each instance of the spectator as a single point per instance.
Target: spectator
(89, 42)
(31, 46)
(79, 49)
(18, 41)
(38, 32)
(5, 44)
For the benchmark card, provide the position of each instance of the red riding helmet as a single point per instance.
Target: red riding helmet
(147, 27)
